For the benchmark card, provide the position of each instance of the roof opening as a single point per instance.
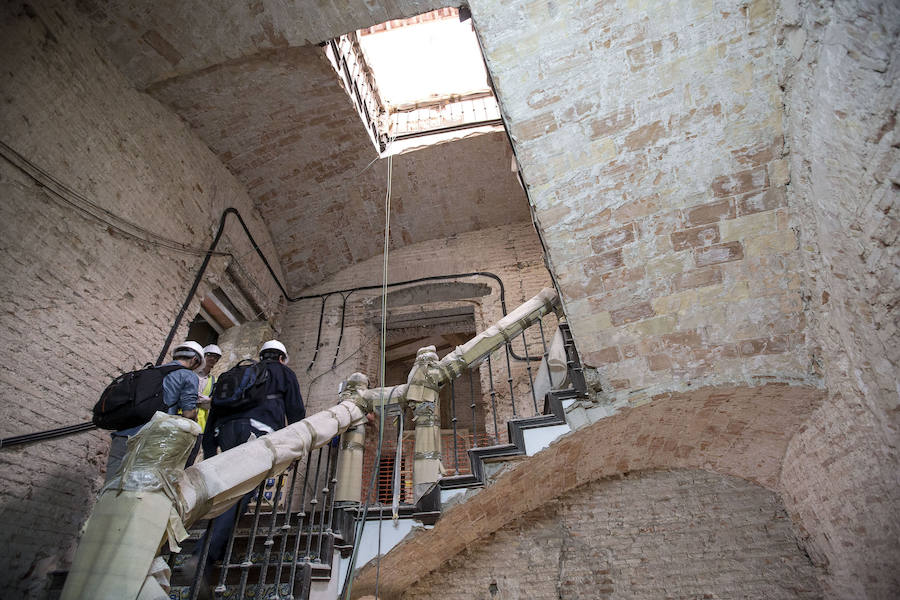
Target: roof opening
(417, 81)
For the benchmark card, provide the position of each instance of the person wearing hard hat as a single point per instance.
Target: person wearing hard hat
(180, 389)
(279, 404)
(211, 356)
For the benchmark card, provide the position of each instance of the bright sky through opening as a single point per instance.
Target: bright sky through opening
(425, 61)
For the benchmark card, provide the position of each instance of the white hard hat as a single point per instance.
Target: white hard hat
(213, 349)
(189, 345)
(274, 345)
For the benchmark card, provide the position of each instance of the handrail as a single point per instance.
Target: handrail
(209, 488)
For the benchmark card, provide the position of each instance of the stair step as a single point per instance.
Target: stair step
(183, 592)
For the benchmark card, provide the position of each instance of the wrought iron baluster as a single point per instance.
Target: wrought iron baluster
(528, 368)
(493, 393)
(226, 562)
(301, 517)
(509, 380)
(333, 481)
(270, 538)
(546, 353)
(474, 423)
(286, 528)
(201, 562)
(453, 420)
(248, 556)
(313, 501)
(325, 490)
(573, 364)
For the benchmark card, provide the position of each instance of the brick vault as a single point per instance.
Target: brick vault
(711, 186)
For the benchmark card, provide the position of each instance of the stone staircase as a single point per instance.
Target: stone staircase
(323, 550)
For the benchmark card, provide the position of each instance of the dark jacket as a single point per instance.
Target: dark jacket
(281, 406)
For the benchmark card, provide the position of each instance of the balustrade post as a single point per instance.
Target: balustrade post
(422, 394)
(350, 461)
(135, 513)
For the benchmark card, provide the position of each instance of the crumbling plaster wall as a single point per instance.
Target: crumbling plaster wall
(716, 185)
(654, 534)
(842, 101)
(81, 301)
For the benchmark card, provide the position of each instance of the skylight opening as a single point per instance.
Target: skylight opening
(417, 81)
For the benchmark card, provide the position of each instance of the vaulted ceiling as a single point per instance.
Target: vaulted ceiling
(270, 106)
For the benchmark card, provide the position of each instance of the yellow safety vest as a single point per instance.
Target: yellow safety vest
(203, 413)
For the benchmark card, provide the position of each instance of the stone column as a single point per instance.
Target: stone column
(422, 394)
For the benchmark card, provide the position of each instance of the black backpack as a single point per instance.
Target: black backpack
(132, 398)
(241, 387)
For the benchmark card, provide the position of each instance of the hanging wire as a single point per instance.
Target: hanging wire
(351, 575)
(384, 274)
(91, 209)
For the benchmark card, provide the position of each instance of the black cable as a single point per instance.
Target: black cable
(318, 335)
(210, 252)
(62, 192)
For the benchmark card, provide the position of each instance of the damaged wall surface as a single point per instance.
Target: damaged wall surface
(842, 105)
(512, 252)
(715, 182)
(284, 125)
(685, 534)
(82, 301)
(728, 213)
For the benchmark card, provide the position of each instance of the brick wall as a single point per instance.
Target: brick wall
(512, 252)
(840, 473)
(716, 185)
(283, 123)
(651, 140)
(153, 42)
(712, 429)
(673, 534)
(80, 301)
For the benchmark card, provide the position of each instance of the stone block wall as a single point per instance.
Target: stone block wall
(654, 534)
(81, 300)
(716, 182)
(842, 101)
(651, 138)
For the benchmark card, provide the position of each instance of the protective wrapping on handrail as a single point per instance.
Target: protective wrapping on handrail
(136, 511)
(154, 462)
(156, 455)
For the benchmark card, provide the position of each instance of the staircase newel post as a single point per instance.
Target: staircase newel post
(350, 460)
(422, 394)
(137, 510)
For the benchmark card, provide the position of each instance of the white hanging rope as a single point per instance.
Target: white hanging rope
(384, 279)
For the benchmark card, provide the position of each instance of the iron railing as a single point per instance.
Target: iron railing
(280, 543)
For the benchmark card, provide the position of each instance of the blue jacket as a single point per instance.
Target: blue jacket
(281, 406)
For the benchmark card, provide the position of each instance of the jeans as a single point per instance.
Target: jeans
(117, 449)
(230, 434)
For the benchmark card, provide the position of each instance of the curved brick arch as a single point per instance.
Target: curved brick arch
(739, 431)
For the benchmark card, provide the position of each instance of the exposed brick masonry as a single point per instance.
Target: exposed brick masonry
(81, 302)
(714, 429)
(511, 252)
(663, 534)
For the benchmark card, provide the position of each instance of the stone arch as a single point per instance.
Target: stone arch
(734, 431)
(672, 532)
(445, 291)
